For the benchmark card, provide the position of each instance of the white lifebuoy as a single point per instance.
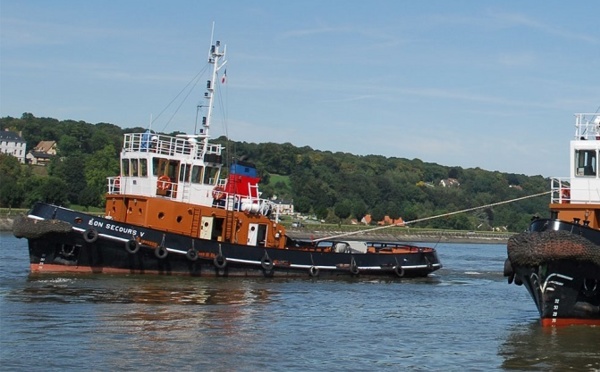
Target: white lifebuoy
(313, 271)
(565, 195)
(218, 193)
(163, 183)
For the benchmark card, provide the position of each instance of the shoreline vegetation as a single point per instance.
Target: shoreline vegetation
(355, 232)
(401, 234)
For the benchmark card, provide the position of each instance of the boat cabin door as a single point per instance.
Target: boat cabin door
(206, 227)
(257, 234)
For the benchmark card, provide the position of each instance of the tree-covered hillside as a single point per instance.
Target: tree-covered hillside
(328, 185)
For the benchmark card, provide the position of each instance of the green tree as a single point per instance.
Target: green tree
(12, 194)
(302, 205)
(11, 190)
(72, 170)
(359, 209)
(89, 197)
(378, 213)
(45, 189)
(343, 209)
(99, 166)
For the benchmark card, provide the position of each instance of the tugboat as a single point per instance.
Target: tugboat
(558, 258)
(172, 210)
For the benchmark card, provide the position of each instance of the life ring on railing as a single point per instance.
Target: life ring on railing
(164, 183)
(313, 271)
(565, 195)
(218, 193)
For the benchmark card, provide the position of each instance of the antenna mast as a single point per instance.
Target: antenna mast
(215, 57)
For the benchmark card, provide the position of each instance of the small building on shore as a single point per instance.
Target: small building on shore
(42, 153)
(12, 144)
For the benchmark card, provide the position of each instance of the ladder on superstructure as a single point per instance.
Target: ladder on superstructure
(229, 218)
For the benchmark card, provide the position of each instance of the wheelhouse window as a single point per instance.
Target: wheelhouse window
(586, 162)
(143, 167)
(184, 173)
(210, 175)
(134, 167)
(159, 166)
(196, 174)
(125, 168)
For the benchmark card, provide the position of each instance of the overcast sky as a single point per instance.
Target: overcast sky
(488, 84)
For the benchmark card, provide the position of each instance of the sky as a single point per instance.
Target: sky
(488, 84)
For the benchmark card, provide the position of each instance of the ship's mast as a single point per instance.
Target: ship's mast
(215, 57)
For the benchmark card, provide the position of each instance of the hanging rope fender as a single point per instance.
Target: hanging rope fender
(266, 262)
(353, 267)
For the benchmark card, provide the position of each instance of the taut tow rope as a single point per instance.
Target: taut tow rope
(438, 216)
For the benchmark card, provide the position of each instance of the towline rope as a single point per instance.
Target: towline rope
(438, 216)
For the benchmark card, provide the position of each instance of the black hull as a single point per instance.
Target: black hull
(98, 245)
(559, 264)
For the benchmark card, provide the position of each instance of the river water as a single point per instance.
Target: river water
(465, 317)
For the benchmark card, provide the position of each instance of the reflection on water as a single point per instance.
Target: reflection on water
(464, 317)
(138, 289)
(535, 348)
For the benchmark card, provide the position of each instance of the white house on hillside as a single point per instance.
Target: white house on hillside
(42, 153)
(12, 144)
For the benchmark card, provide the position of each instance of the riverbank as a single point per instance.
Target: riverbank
(404, 235)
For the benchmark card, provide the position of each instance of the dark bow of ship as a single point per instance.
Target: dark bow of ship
(560, 269)
(558, 258)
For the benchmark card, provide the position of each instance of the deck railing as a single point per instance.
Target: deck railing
(168, 145)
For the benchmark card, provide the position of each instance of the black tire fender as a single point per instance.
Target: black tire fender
(220, 261)
(161, 252)
(90, 235)
(192, 254)
(266, 262)
(132, 246)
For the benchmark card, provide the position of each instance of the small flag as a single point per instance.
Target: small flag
(224, 77)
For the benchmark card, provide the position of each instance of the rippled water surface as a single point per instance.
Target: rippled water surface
(465, 317)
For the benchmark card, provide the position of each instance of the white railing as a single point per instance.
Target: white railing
(167, 145)
(587, 126)
(576, 191)
(561, 190)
